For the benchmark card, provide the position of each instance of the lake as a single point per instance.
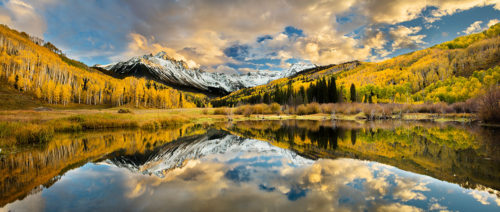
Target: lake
(259, 166)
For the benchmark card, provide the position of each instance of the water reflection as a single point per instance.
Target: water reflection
(28, 171)
(466, 155)
(254, 166)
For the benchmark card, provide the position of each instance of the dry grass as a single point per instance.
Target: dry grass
(24, 133)
(29, 130)
(222, 111)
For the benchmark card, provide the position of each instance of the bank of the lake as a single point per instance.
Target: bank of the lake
(38, 126)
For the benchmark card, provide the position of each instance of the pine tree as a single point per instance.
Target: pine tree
(353, 93)
(332, 87)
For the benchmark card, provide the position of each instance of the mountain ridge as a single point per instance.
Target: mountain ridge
(162, 68)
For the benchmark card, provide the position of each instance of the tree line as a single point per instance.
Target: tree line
(324, 90)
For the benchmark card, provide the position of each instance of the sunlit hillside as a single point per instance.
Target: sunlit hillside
(451, 72)
(30, 65)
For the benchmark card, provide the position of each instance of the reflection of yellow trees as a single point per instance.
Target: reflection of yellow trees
(436, 150)
(25, 170)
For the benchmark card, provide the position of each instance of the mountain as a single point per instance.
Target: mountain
(41, 71)
(454, 71)
(216, 143)
(164, 69)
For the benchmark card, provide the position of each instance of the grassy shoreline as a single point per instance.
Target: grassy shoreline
(36, 127)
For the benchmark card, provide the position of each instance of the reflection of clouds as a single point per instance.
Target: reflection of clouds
(325, 185)
(437, 206)
(483, 197)
(31, 203)
(396, 207)
(407, 188)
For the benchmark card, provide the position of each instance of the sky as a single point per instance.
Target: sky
(239, 36)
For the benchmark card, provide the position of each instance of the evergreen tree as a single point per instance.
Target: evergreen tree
(353, 93)
(303, 93)
(332, 90)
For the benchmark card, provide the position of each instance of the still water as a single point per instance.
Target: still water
(259, 166)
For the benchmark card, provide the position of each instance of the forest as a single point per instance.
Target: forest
(32, 66)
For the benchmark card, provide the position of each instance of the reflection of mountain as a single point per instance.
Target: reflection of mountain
(215, 142)
(452, 153)
(27, 171)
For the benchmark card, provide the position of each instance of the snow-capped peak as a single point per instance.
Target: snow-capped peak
(163, 68)
(296, 68)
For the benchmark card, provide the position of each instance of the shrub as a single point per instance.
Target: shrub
(275, 108)
(313, 108)
(469, 106)
(261, 109)
(222, 111)
(301, 110)
(241, 109)
(124, 110)
(248, 111)
(489, 106)
(34, 134)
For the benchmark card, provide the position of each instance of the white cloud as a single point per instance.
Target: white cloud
(23, 16)
(493, 22)
(141, 45)
(406, 37)
(200, 30)
(473, 28)
(210, 27)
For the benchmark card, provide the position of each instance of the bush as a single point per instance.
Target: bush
(301, 110)
(313, 108)
(489, 106)
(34, 134)
(248, 111)
(222, 111)
(124, 111)
(469, 106)
(275, 108)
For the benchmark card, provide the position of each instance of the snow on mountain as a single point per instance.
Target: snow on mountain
(222, 149)
(296, 68)
(162, 68)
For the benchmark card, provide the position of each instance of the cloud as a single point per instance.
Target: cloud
(318, 31)
(141, 45)
(23, 16)
(493, 22)
(224, 69)
(406, 37)
(473, 28)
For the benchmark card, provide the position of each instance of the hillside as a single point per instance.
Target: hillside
(450, 72)
(40, 70)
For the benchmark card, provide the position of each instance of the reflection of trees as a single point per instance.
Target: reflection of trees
(461, 154)
(40, 167)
